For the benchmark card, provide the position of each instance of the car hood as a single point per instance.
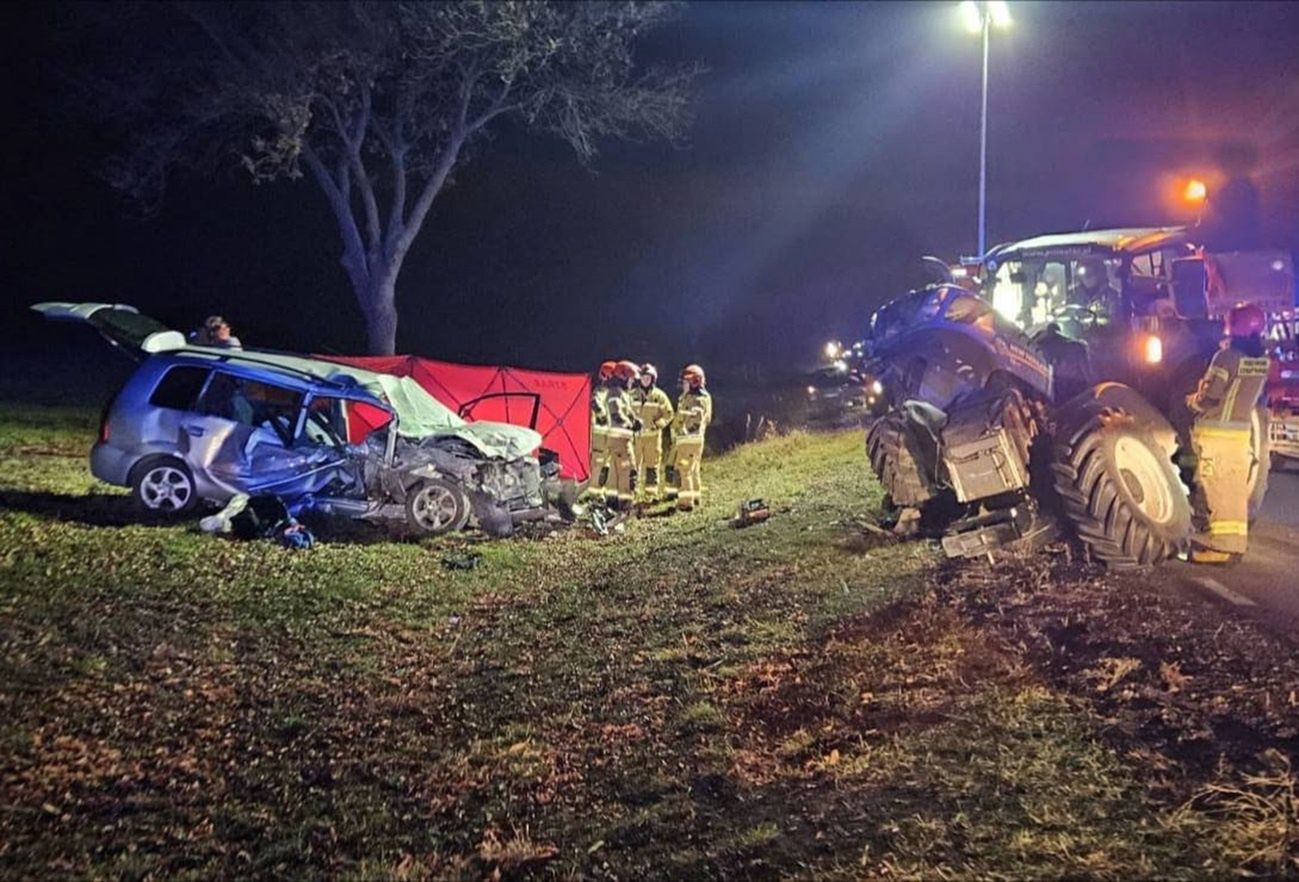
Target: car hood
(502, 439)
(420, 415)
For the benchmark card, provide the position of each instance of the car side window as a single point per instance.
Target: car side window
(252, 403)
(325, 422)
(179, 388)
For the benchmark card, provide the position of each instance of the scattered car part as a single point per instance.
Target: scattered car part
(752, 511)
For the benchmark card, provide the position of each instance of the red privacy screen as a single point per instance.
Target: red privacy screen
(556, 405)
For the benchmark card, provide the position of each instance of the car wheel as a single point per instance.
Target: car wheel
(163, 485)
(436, 506)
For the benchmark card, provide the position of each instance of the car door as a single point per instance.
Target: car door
(242, 431)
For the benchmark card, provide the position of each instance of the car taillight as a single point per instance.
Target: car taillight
(103, 420)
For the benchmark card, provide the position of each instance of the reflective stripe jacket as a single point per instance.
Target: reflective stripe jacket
(600, 406)
(1230, 389)
(621, 413)
(694, 413)
(653, 407)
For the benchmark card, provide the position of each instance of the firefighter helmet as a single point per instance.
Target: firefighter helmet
(626, 370)
(606, 370)
(693, 374)
(1245, 320)
(648, 370)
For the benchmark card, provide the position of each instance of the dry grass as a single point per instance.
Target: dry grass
(1252, 818)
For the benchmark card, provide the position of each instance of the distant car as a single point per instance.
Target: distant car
(196, 424)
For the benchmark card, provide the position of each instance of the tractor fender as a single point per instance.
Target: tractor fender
(1117, 396)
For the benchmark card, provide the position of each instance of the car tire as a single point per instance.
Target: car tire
(163, 486)
(1122, 495)
(436, 506)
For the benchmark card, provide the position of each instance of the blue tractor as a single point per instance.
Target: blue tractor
(1054, 397)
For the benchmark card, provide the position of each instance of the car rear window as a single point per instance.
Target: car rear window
(179, 387)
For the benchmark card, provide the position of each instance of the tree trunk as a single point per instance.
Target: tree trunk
(380, 307)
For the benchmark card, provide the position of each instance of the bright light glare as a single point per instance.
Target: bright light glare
(971, 16)
(999, 12)
(877, 388)
(841, 366)
(1195, 190)
(1154, 350)
(832, 349)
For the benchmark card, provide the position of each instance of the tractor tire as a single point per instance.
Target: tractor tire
(895, 460)
(1122, 496)
(1261, 468)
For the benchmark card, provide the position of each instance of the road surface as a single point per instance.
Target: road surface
(1264, 585)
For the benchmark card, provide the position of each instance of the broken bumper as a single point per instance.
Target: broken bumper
(984, 533)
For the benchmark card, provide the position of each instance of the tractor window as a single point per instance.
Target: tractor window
(1094, 287)
(1029, 292)
(1008, 290)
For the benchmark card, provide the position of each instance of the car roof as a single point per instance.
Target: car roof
(1125, 240)
(292, 371)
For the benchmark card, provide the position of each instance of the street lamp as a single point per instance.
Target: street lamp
(980, 17)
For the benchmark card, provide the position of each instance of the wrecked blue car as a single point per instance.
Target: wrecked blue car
(197, 424)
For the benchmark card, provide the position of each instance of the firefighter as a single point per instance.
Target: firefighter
(1223, 407)
(694, 413)
(623, 424)
(600, 428)
(654, 410)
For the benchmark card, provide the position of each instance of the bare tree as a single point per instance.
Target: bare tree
(378, 104)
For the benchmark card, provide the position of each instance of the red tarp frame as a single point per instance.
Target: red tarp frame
(563, 401)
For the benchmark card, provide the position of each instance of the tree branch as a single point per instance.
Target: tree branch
(336, 193)
(433, 186)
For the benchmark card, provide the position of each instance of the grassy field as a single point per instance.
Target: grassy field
(802, 698)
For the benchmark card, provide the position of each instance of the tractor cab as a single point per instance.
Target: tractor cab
(1123, 294)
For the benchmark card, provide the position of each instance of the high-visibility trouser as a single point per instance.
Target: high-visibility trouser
(599, 457)
(649, 463)
(1223, 460)
(622, 466)
(689, 455)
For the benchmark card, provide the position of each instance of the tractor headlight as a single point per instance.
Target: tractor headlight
(1153, 350)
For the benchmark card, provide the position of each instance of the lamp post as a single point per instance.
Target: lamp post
(980, 17)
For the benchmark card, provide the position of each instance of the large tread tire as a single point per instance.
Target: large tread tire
(1110, 508)
(895, 461)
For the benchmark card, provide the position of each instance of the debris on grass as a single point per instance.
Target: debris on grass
(466, 561)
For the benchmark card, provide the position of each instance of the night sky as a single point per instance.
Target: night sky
(835, 144)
